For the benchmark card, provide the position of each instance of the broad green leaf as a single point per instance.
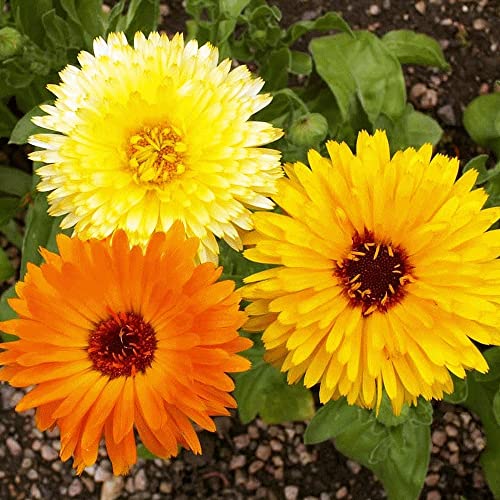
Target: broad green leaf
(411, 129)
(478, 163)
(91, 17)
(232, 8)
(57, 30)
(27, 15)
(330, 21)
(6, 269)
(6, 312)
(460, 391)
(142, 15)
(480, 400)
(482, 121)
(8, 208)
(25, 127)
(264, 390)
(330, 420)
(41, 230)
(274, 69)
(361, 67)
(11, 42)
(386, 415)
(300, 63)
(14, 181)
(415, 48)
(398, 455)
(7, 120)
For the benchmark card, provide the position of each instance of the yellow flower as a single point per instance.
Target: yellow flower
(155, 133)
(385, 274)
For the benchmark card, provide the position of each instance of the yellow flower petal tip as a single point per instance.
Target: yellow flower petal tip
(117, 340)
(153, 133)
(384, 274)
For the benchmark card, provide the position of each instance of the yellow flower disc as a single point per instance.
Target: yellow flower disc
(385, 272)
(153, 133)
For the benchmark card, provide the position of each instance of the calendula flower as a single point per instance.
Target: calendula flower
(158, 132)
(384, 274)
(117, 339)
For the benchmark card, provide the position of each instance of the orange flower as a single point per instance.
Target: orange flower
(114, 338)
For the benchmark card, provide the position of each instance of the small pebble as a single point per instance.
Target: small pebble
(291, 492)
(35, 491)
(242, 441)
(75, 488)
(255, 466)
(237, 462)
(447, 115)
(433, 495)
(48, 453)
(420, 7)
(14, 447)
(342, 492)
(451, 430)
(354, 467)
(432, 480)
(480, 24)
(374, 10)
(439, 438)
(140, 480)
(112, 488)
(263, 452)
(166, 487)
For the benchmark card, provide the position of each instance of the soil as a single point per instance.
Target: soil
(271, 461)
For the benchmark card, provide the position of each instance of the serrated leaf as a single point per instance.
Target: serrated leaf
(6, 269)
(482, 121)
(264, 390)
(41, 230)
(415, 48)
(14, 181)
(360, 67)
(25, 127)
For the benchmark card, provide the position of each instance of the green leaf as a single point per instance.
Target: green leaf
(386, 415)
(300, 63)
(330, 420)
(482, 121)
(12, 233)
(330, 21)
(274, 69)
(264, 390)
(91, 17)
(232, 8)
(25, 127)
(14, 181)
(41, 230)
(114, 16)
(398, 455)
(411, 129)
(460, 391)
(27, 15)
(360, 67)
(57, 30)
(415, 48)
(7, 120)
(142, 15)
(6, 312)
(8, 208)
(6, 269)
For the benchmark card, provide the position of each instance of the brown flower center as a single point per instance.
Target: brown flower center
(156, 154)
(122, 345)
(374, 274)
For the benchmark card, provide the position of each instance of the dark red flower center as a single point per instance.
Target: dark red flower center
(122, 345)
(374, 274)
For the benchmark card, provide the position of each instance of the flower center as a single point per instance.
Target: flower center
(122, 345)
(374, 274)
(156, 155)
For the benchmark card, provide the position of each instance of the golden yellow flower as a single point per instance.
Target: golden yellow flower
(385, 274)
(154, 133)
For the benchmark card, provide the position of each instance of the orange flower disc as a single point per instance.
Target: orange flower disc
(115, 338)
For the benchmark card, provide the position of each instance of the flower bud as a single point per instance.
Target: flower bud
(308, 130)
